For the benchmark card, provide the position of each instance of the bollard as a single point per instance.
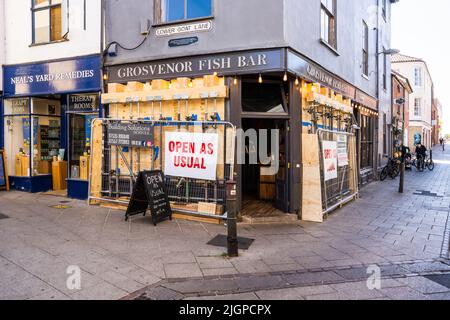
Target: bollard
(402, 177)
(232, 241)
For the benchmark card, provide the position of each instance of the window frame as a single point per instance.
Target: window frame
(332, 17)
(385, 69)
(48, 7)
(417, 107)
(160, 21)
(418, 75)
(365, 49)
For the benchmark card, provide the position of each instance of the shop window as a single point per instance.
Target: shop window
(47, 21)
(366, 142)
(46, 119)
(328, 22)
(179, 10)
(17, 137)
(267, 97)
(84, 108)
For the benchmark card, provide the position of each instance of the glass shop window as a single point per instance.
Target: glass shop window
(46, 121)
(267, 97)
(82, 110)
(17, 124)
(47, 21)
(178, 10)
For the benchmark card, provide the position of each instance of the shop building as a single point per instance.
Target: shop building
(421, 100)
(2, 58)
(52, 82)
(436, 120)
(401, 90)
(310, 69)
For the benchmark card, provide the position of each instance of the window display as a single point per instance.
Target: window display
(82, 110)
(32, 135)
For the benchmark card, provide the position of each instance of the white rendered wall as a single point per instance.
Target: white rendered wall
(2, 41)
(18, 25)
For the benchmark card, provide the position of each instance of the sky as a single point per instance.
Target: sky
(422, 29)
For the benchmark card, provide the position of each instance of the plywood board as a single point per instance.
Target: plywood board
(312, 194)
(310, 149)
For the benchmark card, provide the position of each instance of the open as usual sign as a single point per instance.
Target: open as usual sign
(191, 155)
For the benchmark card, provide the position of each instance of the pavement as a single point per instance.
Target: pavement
(395, 244)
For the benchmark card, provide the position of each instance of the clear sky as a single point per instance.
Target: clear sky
(421, 28)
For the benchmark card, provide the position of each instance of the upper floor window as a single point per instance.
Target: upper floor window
(365, 49)
(47, 21)
(328, 22)
(178, 10)
(417, 107)
(385, 69)
(418, 77)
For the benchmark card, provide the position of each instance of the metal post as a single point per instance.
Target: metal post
(232, 241)
(402, 166)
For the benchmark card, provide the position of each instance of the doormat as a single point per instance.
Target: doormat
(442, 279)
(60, 207)
(3, 216)
(221, 241)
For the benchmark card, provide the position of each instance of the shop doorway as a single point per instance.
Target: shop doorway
(265, 186)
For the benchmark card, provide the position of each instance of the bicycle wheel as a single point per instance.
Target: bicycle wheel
(430, 165)
(384, 174)
(395, 172)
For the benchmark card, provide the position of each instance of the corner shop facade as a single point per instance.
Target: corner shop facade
(271, 89)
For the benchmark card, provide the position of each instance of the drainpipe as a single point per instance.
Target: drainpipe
(377, 120)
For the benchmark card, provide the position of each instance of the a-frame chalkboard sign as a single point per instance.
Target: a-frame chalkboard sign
(150, 193)
(4, 183)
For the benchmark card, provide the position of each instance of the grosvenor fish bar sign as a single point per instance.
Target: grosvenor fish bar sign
(198, 65)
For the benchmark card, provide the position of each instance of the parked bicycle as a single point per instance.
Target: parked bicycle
(392, 169)
(420, 162)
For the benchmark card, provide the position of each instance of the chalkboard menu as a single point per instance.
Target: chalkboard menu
(150, 193)
(130, 134)
(3, 174)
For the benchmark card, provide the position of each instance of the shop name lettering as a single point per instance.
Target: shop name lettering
(323, 77)
(82, 103)
(212, 64)
(53, 77)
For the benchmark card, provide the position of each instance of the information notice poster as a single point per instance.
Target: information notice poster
(342, 151)
(330, 160)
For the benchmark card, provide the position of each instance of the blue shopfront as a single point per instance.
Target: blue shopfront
(45, 123)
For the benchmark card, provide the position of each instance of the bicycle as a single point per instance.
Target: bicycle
(429, 162)
(392, 169)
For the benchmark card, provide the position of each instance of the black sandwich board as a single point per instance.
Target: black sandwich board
(3, 173)
(150, 193)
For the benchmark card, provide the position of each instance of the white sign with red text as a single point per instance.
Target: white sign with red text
(330, 160)
(191, 155)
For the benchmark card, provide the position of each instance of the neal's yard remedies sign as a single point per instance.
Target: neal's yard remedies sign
(150, 192)
(73, 75)
(191, 155)
(225, 64)
(83, 103)
(130, 134)
(330, 160)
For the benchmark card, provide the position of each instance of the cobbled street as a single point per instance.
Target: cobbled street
(405, 236)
